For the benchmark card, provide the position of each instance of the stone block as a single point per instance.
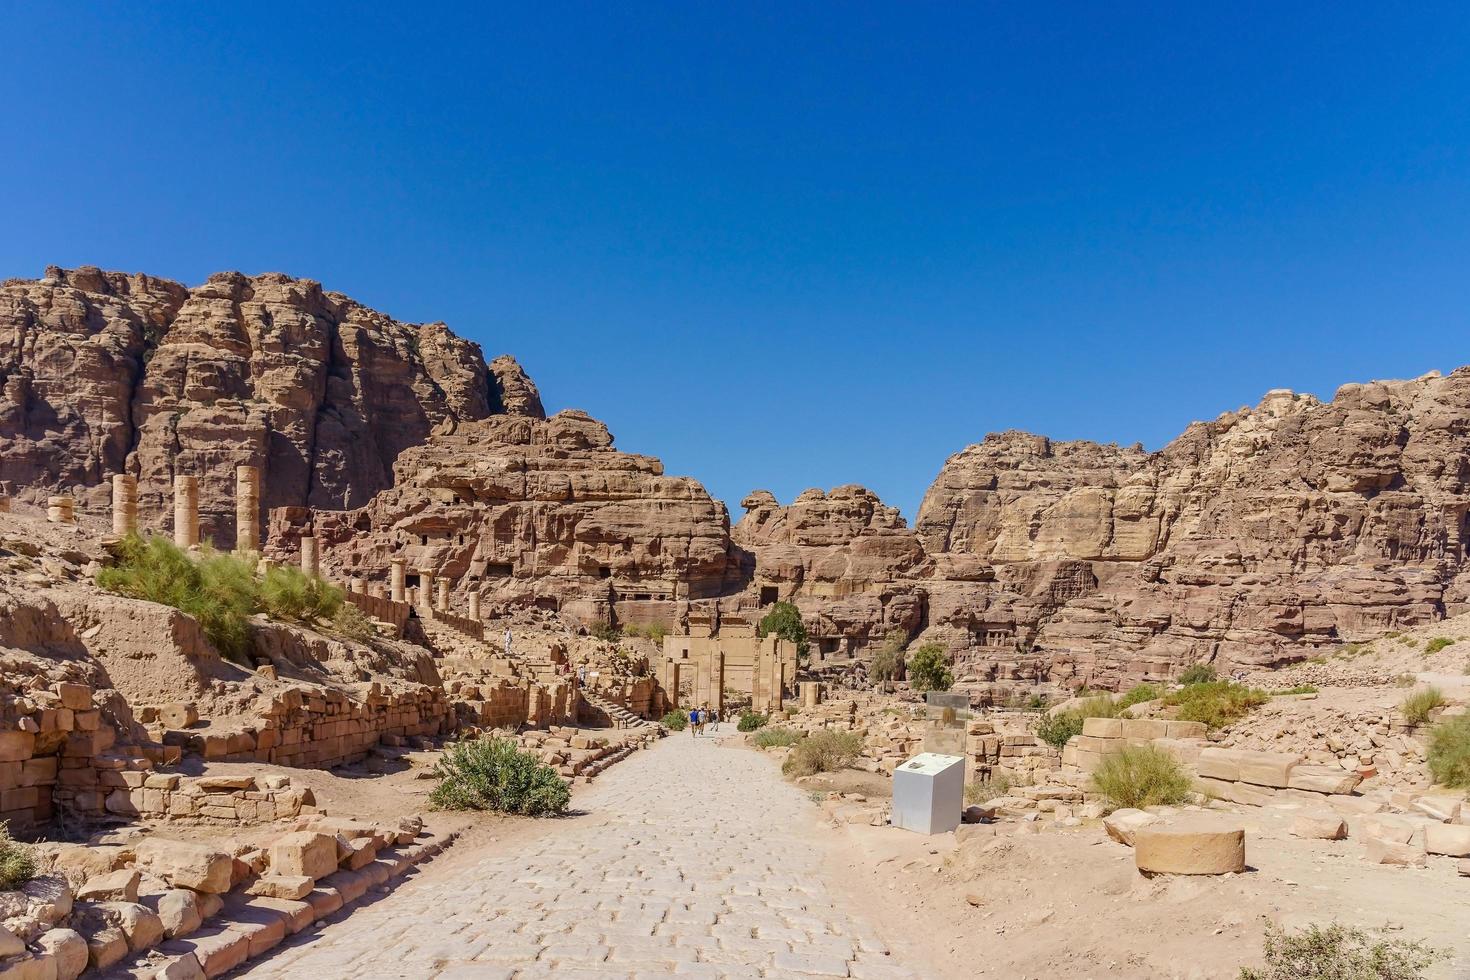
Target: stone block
(1102, 727)
(1446, 809)
(1379, 851)
(1145, 728)
(1190, 846)
(187, 865)
(1319, 826)
(77, 697)
(1222, 764)
(142, 927)
(67, 948)
(178, 910)
(1122, 825)
(1386, 827)
(1186, 729)
(304, 853)
(114, 886)
(16, 746)
(1447, 838)
(282, 886)
(218, 950)
(1267, 768)
(1323, 779)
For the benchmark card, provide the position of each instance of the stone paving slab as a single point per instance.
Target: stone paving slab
(692, 860)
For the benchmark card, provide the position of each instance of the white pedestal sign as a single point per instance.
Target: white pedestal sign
(929, 793)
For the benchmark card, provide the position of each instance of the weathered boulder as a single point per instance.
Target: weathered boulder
(1319, 826)
(304, 853)
(67, 948)
(1122, 825)
(187, 865)
(114, 886)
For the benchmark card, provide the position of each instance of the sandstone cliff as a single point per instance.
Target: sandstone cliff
(529, 512)
(105, 372)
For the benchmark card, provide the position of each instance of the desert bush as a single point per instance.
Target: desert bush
(784, 620)
(887, 663)
(606, 631)
(824, 751)
(1449, 752)
(928, 669)
(1139, 694)
(1216, 703)
(1197, 674)
(496, 774)
(985, 790)
(675, 721)
(218, 590)
(1060, 727)
(353, 623)
(1298, 689)
(287, 593)
(17, 861)
(655, 632)
(772, 738)
(1416, 707)
(1405, 680)
(1140, 776)
(750, 721)
(1437, 644)
(1340, 953)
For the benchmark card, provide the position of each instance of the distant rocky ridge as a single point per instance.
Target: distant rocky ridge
(1251, 539)
(107, 372)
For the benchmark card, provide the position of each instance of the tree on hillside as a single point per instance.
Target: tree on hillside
(928, 669)
(784, 620)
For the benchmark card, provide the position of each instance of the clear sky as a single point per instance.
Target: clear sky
(789, 245)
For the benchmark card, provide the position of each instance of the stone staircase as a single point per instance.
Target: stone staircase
(620, 716)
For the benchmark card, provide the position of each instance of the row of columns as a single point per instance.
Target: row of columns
(186, 508)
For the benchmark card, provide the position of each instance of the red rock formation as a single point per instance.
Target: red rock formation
(103, 372)
(535, 512)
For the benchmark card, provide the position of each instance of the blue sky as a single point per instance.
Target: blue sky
(791, 245)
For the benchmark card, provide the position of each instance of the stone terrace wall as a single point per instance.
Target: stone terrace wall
(316, 728)
(172, 798)
(379, 608)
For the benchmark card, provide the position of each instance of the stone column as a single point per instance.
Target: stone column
(444, 595)
(475, 605)
(398, 573)
(426, 590)
(354, 585)
(61, 510)
(186, 511)
(375, 589)
(124, 504)
(247, 508)
(311, 560)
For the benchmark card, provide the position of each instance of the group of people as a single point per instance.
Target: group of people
(699, 717)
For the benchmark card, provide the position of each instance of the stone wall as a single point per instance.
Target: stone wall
(171, 798)
(380, 608)
(316, 728)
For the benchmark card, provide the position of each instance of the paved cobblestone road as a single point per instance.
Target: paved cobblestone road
(692, 859)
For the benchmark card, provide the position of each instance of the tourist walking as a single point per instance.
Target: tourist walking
(507, 641)
(694, 723)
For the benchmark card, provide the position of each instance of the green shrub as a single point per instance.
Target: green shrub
(824, 751)
(1437, 644)
(750, 721)
(1298, 689)
(784, 620)
(1197, 674)
(984, 790)
(353, 623)
(495, 774)
(1140, 776)
(654, 631)
(1036, 702)
(1139, 694)
(887, 663)
(218, 590)
(605, 631)
(1405, 680)
(287, 593)
(1416, 707)
(1060, 727)
(675, 721)
(928, 669)
(772, 738)
(17, 862)
(1216, 703)
(1449, 752)
(1340, 953)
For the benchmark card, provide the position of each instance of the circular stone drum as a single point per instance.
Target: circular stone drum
(1191, 846)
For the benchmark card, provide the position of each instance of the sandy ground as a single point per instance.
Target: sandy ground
(1069, 903)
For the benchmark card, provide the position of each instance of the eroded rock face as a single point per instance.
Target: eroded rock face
(102, 373)
(1247, 540)
(534, 511)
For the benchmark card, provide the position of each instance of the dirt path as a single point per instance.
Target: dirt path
(693, 858)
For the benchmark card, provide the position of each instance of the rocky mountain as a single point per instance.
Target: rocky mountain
(107, 372)
(535, 512)
(1251, 539)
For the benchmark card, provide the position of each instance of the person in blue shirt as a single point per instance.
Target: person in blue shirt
(694, 722)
